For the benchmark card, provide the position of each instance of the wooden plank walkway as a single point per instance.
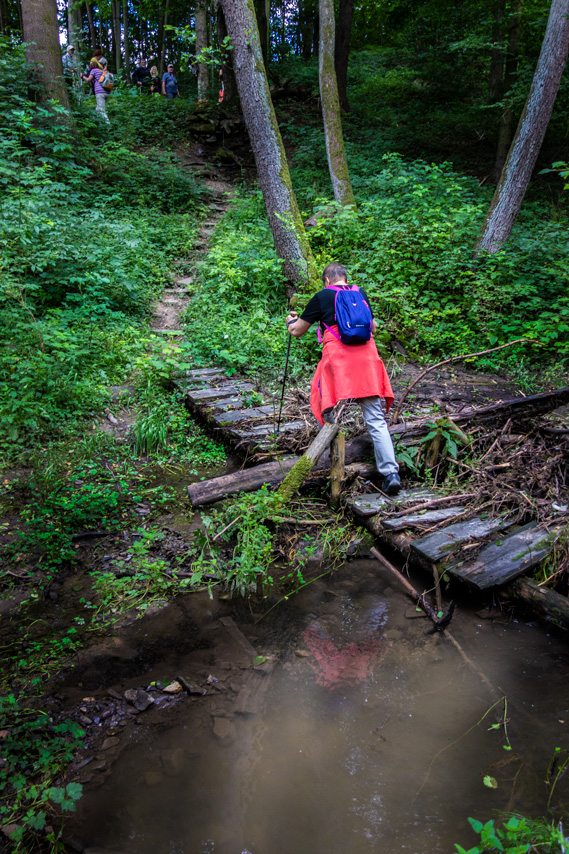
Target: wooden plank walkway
(483, 553)
(240, 414)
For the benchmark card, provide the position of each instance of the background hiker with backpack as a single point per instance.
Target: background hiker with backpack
(350, 366)
(102, 81)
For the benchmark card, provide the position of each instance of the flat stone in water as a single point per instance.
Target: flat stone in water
(224, 730)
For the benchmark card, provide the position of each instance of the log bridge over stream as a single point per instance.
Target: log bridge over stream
(439, 531)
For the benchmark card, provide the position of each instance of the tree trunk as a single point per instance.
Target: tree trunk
(496, 76)
(258, 112)
(92, 36)
(163, 40)
(337, 163)
(201, 43)
(229, 86)
(74, 27)
(263, 10)
(342, 50)
(506, 125)
(126, 45)
(41, 34)
(116, 14)
(531, 130)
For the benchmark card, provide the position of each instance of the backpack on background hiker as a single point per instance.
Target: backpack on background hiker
(353, 315)
(106, 80)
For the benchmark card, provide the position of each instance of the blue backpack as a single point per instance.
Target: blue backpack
(353, 315)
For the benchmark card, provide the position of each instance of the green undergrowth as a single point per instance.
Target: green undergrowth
(517, 835)
(411, 246)
(89, 230)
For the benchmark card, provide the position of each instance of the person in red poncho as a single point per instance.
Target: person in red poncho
(348, 371)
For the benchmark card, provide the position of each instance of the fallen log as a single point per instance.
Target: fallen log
(301, 470)
(247, 480)
(547, 603)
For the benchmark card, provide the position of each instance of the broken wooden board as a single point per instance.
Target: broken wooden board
(439, 544)
(243, 414)
(205, 395)
(426, 517)
(502, 561)
(370, 505)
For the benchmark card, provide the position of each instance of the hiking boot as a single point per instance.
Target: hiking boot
(328, 416)
(392, 484)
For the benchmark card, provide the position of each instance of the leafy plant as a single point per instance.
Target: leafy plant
(517, 835)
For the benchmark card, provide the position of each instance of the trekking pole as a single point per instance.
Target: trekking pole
(284, 383)
(291, 305)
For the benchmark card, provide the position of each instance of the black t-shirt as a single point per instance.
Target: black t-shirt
(321, 308)
(141, 75)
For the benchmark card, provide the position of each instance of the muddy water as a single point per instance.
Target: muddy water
(360, 737)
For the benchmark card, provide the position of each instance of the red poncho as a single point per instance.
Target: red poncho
(346, 372)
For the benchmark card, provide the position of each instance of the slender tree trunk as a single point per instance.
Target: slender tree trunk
(229, 85)
(263, 10)
(506, 125)
(41, 34)
(74, 27)
(342, 50)
(258, 112)
(163, 40)
(92, 35)
(496, 76)
(316, 36)
(531, 130)
(201, 44)
(116, 15)
(126, 45)
(337, 163)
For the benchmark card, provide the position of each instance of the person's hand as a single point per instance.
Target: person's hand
(291, 318)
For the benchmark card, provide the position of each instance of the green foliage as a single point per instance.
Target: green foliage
(35, 751)
(517, 835)
(87, 237)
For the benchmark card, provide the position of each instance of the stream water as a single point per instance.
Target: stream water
(361, 736)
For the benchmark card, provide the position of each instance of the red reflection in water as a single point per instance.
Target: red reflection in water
(337, 667)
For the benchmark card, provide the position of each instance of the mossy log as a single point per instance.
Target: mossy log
(547, 603)
(301, 470)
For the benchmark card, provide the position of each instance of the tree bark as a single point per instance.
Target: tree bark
(41, 34)
(272, 168)
(263, 11)
(337, 163)
(506, 125)
(74, 27)
(201, 43)
(532, 126)
(126, 45)
(342, 50)
(116, 15)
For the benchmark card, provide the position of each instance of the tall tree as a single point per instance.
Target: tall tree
(92, 37)
(201, 43)
(532, 126)
(335, 151)
(74, 26)
(229, 86)
(342, 50)
(272, 168)
(41, 34)
(116, 17)
(125, 38)
(162, 37)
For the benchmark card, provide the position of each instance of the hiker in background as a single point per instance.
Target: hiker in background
(141, 77)
(170, 84)
(102, 83)
(155, 87)
(93, 63)
(70, 69)
(352, 370)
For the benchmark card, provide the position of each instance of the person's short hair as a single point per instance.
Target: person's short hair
(142, 60)
(102, 61)
(97, 52)
(334, 271)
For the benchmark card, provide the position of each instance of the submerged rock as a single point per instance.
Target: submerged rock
(224, 730)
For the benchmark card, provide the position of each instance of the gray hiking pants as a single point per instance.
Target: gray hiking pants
(377, 426)
(101, 98)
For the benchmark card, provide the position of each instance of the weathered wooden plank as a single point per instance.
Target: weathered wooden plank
(440, 543)
(266, 430)
(498, 563)
(204, 372)
(209, 394)
(427, 517)
(228, 403)
(369, 505)
(243, 414)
